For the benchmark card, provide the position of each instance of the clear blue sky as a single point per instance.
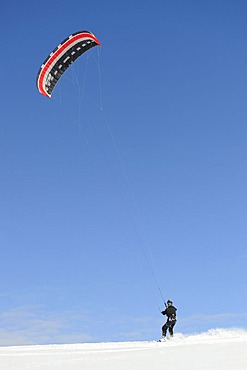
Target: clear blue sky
(152, 162)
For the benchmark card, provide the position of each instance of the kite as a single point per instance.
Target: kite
(61, 58)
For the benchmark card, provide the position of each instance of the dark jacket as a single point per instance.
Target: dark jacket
(170, 312)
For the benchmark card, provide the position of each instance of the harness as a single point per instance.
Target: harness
(171, 319)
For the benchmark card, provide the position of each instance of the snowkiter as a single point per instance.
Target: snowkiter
(170, 312)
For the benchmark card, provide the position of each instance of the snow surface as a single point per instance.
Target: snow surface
(215, 350)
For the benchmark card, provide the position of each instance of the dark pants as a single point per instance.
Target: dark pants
(169, 325)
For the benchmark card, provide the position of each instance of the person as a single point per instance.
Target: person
(170, 312)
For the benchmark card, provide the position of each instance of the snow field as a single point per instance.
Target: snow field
(215, 350)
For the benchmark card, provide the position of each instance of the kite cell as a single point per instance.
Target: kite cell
(61, 58)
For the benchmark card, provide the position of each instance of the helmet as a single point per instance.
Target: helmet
(169, 303)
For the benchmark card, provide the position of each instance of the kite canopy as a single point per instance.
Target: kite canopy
(61, 58)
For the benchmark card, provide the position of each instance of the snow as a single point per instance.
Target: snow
(215, 350)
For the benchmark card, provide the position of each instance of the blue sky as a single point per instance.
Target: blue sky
(138, 186)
